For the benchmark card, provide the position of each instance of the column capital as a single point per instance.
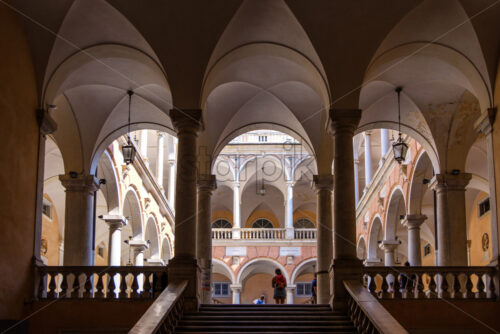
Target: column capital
(290, 183)
(160, 134)
(236, 183)
(322, 182)
(413, 221)
(155, 262)
(138, 245)
(485, 122)
(389, 245)
(114, 221)
(47, 124)
(343, 119)
(450, 181)
(79, 182)
(235, 287)
(207, 182)
(186, 120)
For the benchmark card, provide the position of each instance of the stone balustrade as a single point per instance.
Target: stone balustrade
(263, 233)
(100, 282)
(431, 282)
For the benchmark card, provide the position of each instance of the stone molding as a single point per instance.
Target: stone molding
(389, 245)
(47, 124)
(115, 222)
(449, 182)
(413, 221)
(485, 122)
(80, 183)
(207, 182)
(188, 120)
(343, 120)
(322, 182)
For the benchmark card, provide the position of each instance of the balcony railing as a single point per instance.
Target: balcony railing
(263, 233)
(99, 282)
(431, 282)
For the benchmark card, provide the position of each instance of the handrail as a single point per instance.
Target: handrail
(304, 234)
(162, 316)
(367, 314)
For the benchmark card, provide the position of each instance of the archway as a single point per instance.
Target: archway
(375, 254)
(361, 248)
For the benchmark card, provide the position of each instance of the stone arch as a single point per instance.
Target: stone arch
(110, 189)
(151, 236)
(260, 265)
(361, 248)
(375, 235)
(421, 171)
(220, 267)
(166, 252)
(395, 208)
(303, 267)
(132, 211)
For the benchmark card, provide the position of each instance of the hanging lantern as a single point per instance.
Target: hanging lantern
(128, 150)
(399, 148)
(262, 190)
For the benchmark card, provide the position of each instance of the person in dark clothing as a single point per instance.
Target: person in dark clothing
(279, 285)
(314, 288)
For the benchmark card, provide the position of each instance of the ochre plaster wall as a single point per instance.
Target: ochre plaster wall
(18, 102)
(216, 277)
(496, 146)
(255, 286)
(476, 227)
(304, 278)
(298, 214)
(50, 233)
(262, 214)
(222, 214)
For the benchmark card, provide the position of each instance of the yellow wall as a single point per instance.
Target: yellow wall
(430, 259)
(222, 214)
(50, 233)
(262, 214)
(304, 278)
(496, 146)
(18, 102)
(298, 214)
(221, 278)
(476, 227)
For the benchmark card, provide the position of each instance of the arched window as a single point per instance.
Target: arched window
(303, 223)
(262, 223)
(221, 223)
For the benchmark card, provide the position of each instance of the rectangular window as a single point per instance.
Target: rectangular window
(100, 251)
(427, 249)
(47, 209)
(221, 290)
(484, 206)
(303, 289)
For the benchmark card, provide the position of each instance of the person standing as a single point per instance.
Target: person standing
(314, 289)
(279, 285)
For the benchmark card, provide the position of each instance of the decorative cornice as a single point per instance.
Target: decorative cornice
(322, 182)
(343, 119)
(47, 124)
(79, 182)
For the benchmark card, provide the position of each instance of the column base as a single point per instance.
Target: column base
(289, 234)
(341, 270)
(205, 281)
(180, 269)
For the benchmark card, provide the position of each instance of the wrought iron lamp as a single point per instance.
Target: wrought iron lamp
(128, 150)
(399, 147)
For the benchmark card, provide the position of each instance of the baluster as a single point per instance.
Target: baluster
(481, 288)
(456, 286)
(385, 288)
(492, 294)
(42, 285)
(432, 291)
(407, 289)
(75, 291)
(146, 292)
(134, 289)
(99, 286)
(397, 286)
(445, 293)
(112, 286)
(122, 294)
(52, 289)
(64, 286)
(87, 287)
(158, 284)
(468, 294)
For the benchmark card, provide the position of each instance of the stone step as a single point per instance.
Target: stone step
(250, 317)
(261, 332)
(265, 328)
(268, 313)
(268, 322)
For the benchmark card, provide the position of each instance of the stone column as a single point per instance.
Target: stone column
(206, 184)
(389, 246)
(323, 185)
(78, 229)
(184, 266)
(47, 125)
(289, 234)
(236, 289)
(451, 219)
(356, 181)
(346, 265)
(138, 247)
(413, 222)
(289, 294)
(160, 158)
(384, 144)
(115, 223)
(236, 210)
(171, 183)
(485, 125)
(368, 159)
(144, 147)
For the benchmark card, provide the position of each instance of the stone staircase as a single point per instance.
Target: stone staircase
(265, 319)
